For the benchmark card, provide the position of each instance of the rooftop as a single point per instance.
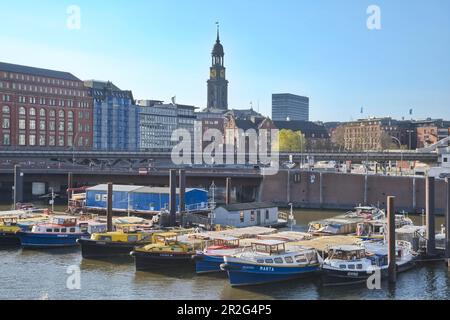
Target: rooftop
(248, 206)
(8, 67)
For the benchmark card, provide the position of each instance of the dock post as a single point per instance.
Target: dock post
(173, 197)
(228, 191)
(18, 185)
(182, 184)
(447, 224)
(391, 240)
(109, 208)
(69, 186)
(366, 188)
(431, 228)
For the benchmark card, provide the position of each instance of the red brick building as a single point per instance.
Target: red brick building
(43, 109)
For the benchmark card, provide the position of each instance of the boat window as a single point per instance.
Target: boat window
(63, 230)
(342, 266)
(260, 261)
(351, 266)
(72, 230)
(300, 259)
(278, 260)
(359, 266)
(56, 230)
(269, 261)
(132, 238)
(289, 260)
(105, 238)
(49, 230)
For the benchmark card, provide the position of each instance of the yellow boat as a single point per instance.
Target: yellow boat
(165, 251)
(116, 243)
(8, 231)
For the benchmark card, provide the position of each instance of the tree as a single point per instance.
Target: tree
(290, 141)
(338, 137)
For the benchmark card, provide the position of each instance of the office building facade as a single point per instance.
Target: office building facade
(290, 107)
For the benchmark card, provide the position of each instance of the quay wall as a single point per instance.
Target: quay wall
(329, 190)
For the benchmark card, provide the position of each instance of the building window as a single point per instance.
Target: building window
(32, 139)
(70, 126)
(6, 139)
(42, 140)
(42, 113)
(52, 113)
(6, 123)
(42, 125)
(5, 110)
(51, 141)
(61, 141)
(61, 126)
(51, 125)
(70, 114)
(241, 216)
(22, 111)
(22, 124)
(32, 112)
(267, 215)
(22, 139)
(32, 124)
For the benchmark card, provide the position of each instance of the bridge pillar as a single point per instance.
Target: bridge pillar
(414, 194)
(228, 191)
(18, 185)
(69, 186)
(366, 188)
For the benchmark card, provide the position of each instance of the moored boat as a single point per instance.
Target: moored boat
(268, 261)
(60, 231)
(210, 259)
(165, 252)
(353, 264)
(8, 231)
(112, 244)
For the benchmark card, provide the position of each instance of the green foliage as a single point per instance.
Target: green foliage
(290, 141)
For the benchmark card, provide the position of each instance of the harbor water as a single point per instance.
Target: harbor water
(29, 274)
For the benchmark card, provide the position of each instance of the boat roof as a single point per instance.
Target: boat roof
(223, 237)
(347, 247)
(269, 242)
(167, 234)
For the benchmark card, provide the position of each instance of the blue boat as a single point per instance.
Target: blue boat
(60, 232)
(268, 261)
(210, 259)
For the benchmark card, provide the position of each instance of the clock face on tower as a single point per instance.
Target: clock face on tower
(213, 73)
(222, 74)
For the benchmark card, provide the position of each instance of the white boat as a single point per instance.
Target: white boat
(352, 264)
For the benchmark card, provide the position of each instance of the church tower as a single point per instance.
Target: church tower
(217, 83)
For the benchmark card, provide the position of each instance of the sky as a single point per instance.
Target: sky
(319, 48)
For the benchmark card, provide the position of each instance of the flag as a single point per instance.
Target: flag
(362, 110)
(410, 111)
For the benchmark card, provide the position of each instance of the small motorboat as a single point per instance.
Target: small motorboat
(210, 259)
(60, 231)
(165, 252)
(117, 243)
(268, 261)
(353, 264)
(8, 231)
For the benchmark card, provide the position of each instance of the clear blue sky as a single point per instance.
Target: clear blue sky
(318, 48)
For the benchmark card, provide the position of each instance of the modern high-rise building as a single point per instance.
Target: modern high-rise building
(43, 109)
(116, 117)
(217, 83)
(287, 106)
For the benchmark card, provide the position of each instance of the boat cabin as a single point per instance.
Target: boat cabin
(64, 221)
(269, 246)
(369, 212)
(224, 243)
(166, 238)
(51, 228)
(347, 253)
(118, 236)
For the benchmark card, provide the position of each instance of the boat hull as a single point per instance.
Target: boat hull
(241, 274)
(146, 261)
(207, 264)
(91, 249)
(333, 277)
(43, 240)
(9, 239)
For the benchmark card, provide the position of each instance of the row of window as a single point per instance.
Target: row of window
(288, 259)
(43, 113)
(44, 101)
(38, 79)
(41, 140)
